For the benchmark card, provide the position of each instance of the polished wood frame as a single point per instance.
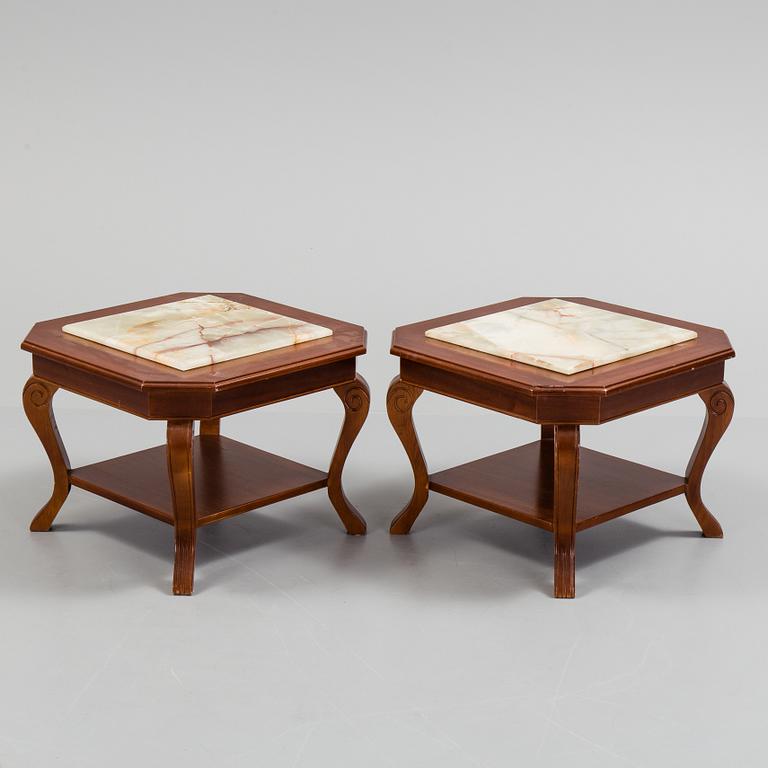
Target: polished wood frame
(554, 483)
(192, 480)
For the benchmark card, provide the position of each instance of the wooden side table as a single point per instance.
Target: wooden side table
(555, 484)
(194, 480)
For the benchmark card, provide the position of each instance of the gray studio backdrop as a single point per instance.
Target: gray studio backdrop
(386, 162)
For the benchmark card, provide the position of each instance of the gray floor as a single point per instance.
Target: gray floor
(306, 647)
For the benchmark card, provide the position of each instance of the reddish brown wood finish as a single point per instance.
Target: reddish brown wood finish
(401, 398)
(47, 339)
(230, 478)
(194, 481)
(410, 343)
(38, 406)
(155, 391)
(519, 483)
(719, 404)
(356, 398)
(210, 427)
(566, 443)
(179, 440)
(553, 483)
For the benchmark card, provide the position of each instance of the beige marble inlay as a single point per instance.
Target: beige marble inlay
(561, 336)
(194, 332)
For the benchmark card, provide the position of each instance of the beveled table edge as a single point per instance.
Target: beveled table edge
(147, 383)
(561, 383)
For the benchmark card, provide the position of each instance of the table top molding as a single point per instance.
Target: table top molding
(711, 346)
(46, 340)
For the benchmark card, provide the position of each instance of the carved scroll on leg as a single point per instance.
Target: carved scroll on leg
(719, 404)
(38, 405)
(180, 474)
(566, 481)
(356, 399)
(400, 401)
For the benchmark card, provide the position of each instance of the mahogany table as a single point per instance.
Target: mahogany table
(553, 483)
(194, 480)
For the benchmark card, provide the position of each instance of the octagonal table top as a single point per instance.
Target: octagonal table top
(298, 340)
(541, 344)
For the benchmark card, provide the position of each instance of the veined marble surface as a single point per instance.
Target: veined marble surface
(561, 336)
(194, 332)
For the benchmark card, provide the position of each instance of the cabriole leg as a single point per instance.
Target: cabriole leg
(719, 404)
(38, 405)
(401, 398)
(356, 399)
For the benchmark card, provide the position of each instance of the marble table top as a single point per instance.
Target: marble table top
(198, 331)
(561, 335)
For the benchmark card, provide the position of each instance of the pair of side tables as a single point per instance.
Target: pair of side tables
(209, 370)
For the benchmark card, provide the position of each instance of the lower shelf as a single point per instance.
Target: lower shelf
(519, 484)
(230, 478)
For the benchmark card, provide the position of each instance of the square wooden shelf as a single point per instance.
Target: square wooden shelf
(519, 484)
(230, 478)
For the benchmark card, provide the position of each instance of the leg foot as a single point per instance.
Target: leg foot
(180, 473)
(38, 405)
(719, 404)
(566, 439)
(356, 398)
(400, 401)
